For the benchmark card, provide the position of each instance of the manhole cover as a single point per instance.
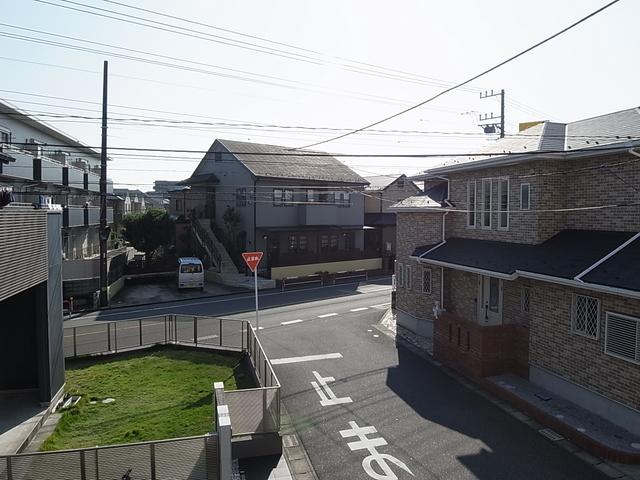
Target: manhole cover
(550, 434)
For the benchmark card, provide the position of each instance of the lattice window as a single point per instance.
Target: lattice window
(426, 280)
(586, 316)
(525, 299)
(622, 337)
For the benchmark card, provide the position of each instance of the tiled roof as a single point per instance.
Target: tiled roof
(280, 163)
(431, 198)
(379, 182)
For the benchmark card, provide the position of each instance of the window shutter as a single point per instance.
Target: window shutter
(623, 337)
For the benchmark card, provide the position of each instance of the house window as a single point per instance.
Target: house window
(426, 280)
(471, 204)
(302, 243)
(293, 243)
(277, 197)
(178, 205)
(5, 137)
(311, 196)
(525, 196)
(288, 197)
(408, 278)
(343, 199)
(400, 275)
(325, 197)
(622, 337)
(333, 242)
(525, 299)
(486, 203)
(348, 241)
(586, 316)
(503, 204)
(241, 197)
(324, 242)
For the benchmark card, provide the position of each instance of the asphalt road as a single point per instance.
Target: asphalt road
(409, 415)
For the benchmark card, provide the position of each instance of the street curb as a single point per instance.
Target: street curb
(295, 454)
(146, 304)
(481, 389)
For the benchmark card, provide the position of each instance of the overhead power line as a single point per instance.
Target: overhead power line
(465, 82)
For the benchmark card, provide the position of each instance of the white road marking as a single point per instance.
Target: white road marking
(376, 336)
(260, 328)
(327, 397)
(327, 315)
(359, 309)
(290, 322)
(380, 305)
(369, 330)
(307, 358)
(371, 444)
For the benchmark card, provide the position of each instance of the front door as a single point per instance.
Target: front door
(490, 301)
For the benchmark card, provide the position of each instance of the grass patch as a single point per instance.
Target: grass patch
(160, 393)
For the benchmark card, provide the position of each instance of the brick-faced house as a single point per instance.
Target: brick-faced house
(528, 262)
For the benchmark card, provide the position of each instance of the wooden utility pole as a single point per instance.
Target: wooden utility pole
(104, 231)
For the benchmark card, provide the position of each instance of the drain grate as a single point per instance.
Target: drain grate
(550, 434)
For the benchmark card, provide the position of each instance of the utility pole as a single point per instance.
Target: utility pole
(491, 126)
(104, 231)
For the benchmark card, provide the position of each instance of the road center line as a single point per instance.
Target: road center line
(290, 322)
(359, 309)
(327, 315)
(381, 305)
(307, 358)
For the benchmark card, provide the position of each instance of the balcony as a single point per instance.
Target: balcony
(74, 177)
(47, 170)
(22, 168)
(76, 216)
(317, 215)
(93, 182)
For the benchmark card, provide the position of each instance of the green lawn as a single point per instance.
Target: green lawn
(160, 393)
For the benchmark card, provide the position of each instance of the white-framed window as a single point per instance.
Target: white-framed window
(5, 136)
(400, 275)
(525, 196)
(241, 197)
(525, 300)
(487, 201)
(343, 199)
(310, 195)
(585, 316)
(471, 204)
(277, 197)
(409, 277)
(503, 204)
(426, 280)
(288, 197)
(622, 336)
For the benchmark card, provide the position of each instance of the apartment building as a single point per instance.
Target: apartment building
(305, 212)
(41, 161)
(528, 262)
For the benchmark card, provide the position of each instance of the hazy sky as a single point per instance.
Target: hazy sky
(591, 70)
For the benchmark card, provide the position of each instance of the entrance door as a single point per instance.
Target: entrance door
(490, 304)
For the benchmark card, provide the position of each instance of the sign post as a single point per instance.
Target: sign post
(252, 259)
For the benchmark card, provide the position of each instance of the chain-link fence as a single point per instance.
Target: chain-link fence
(193, 458)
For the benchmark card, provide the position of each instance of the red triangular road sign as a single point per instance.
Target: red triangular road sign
(252, 259)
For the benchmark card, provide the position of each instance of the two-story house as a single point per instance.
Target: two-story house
(43, 161)
(528, 261)
(304, 211)
(382, 192)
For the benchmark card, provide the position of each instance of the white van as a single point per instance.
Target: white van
(190, 273)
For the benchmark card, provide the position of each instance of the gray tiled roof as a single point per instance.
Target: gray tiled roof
(379, 182)
(609, 129)
(323, 168)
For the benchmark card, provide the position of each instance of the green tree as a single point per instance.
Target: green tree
(148, 230)
(232, 220)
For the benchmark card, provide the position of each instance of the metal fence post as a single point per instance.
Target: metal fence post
(97, 465)
(220, 330)
(115, 335)
(83, 472)
(152, 452)
(223, 424)
(9, 474)
(165, 329)
(109, 336)
(175, 328)
(140, 328)
(265, 373)
(75, 350)
(264, 410)
(195, 329)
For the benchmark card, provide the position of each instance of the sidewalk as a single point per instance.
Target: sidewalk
(523, 404)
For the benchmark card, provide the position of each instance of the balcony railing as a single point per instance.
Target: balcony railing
(76, 216)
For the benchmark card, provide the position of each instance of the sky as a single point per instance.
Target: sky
(254, 70)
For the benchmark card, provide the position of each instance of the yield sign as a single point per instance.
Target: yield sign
(252, 259)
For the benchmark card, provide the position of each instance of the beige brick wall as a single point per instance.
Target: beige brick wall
(582, 360)
(564, 188)
(417, 229)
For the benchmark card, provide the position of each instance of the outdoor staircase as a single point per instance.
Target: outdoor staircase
(223, 270)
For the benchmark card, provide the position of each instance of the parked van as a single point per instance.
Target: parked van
(190, 273)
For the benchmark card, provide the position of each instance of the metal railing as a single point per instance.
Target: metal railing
(188, 457)
(252, 411)
(208, 243)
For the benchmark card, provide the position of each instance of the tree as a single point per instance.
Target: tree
(148, 230)
(232, 221)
